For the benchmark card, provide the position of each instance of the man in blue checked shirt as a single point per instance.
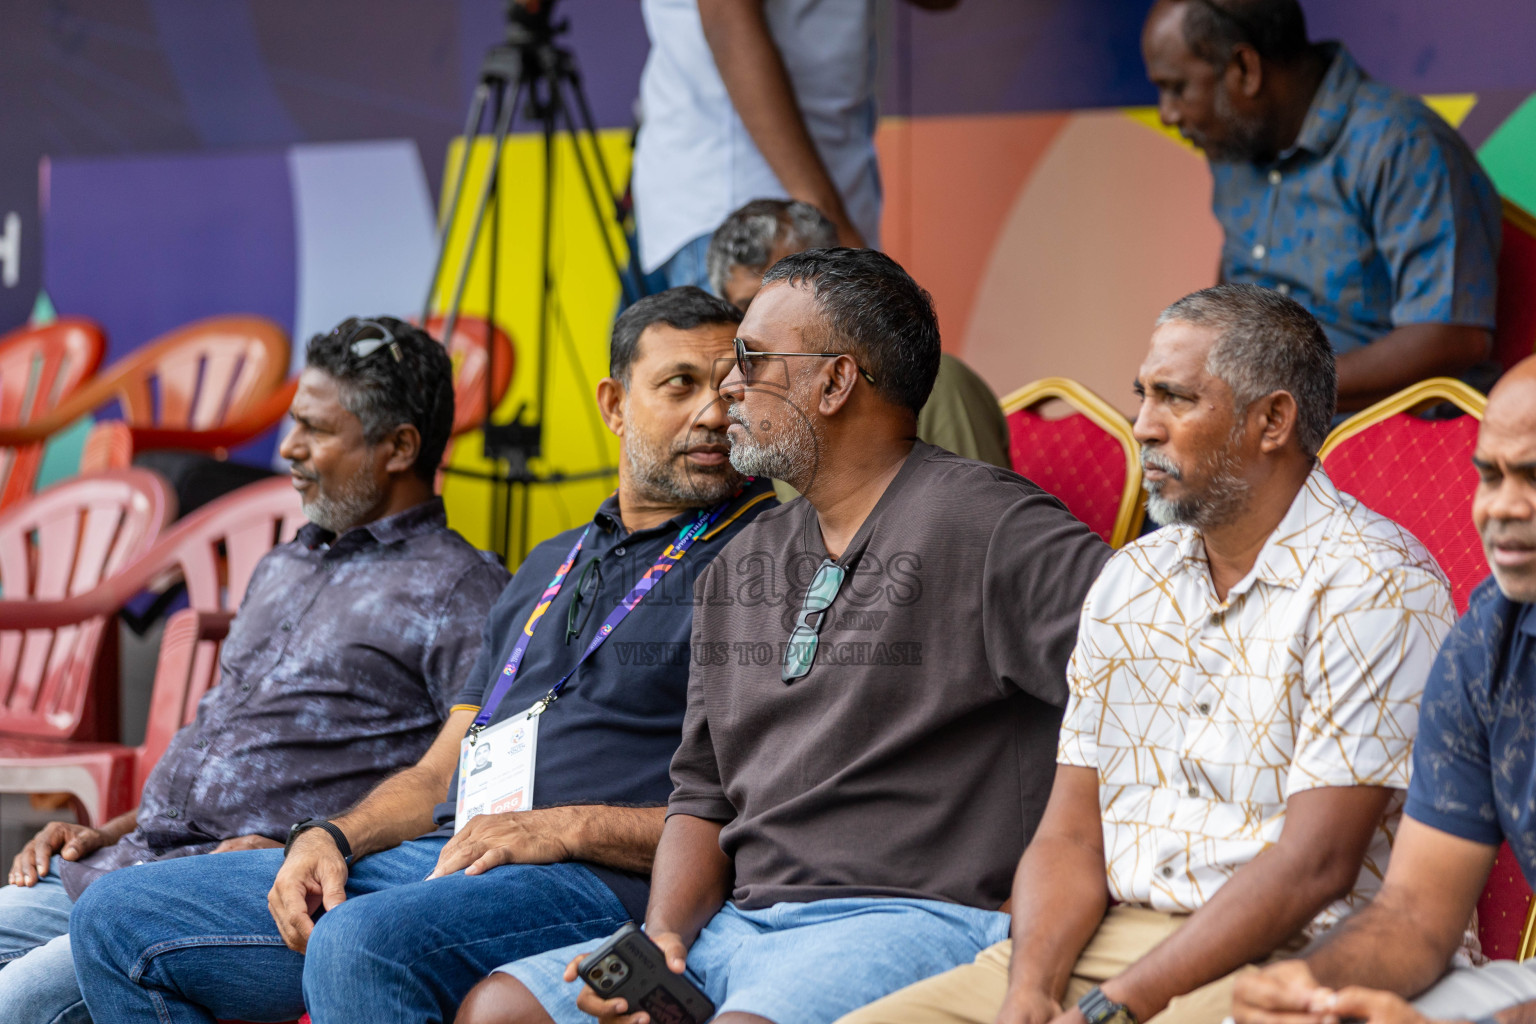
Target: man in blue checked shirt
(1353, 199)
(553, 760)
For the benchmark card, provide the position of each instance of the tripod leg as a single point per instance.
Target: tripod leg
(503, 125)
(471, 132)
(589, 125)
(561, 110)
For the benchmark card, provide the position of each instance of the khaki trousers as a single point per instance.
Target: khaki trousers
(973, 993)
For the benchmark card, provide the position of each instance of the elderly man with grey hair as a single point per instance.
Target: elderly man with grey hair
(961, 414)
(1244, 695)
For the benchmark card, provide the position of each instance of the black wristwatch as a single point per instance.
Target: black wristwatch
(1098, 1008)
(327, 826)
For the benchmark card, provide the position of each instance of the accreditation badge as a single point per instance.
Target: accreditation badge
(496, 767)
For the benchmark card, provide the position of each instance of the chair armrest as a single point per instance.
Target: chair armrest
(105, 598)
(69, 611)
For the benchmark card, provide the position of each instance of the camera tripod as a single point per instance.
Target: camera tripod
(528, 75)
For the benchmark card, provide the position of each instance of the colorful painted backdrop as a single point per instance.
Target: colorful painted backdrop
(170, 158)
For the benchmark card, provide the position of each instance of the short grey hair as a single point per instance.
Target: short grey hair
(749, 235)
(1266, 342)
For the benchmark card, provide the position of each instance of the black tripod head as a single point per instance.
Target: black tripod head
(530, 22)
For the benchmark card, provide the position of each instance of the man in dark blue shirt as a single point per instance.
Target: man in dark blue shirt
(1473, 786)
(410, 924)
(338, 670)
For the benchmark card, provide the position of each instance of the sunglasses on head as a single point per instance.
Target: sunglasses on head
(362, 348)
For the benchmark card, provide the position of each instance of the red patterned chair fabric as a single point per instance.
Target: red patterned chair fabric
(1073, 459)
(1502, 909)
(1086, 458)
(1419, 473)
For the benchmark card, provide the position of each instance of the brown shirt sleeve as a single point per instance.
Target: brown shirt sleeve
(1040, 563)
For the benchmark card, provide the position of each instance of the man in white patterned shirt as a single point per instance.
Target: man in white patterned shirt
(1245, 692)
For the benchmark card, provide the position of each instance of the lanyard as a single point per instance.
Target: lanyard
(671, 556)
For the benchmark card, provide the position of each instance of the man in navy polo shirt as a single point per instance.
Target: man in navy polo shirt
(1473, 786)
(558, 822)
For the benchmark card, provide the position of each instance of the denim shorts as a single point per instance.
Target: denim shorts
(801, 963)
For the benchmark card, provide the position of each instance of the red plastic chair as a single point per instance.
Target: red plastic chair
(40, 367)
(1419, 473)
(1088, 458)
(215, 551)
(112, 444)
(1515, 336)
(174, 390)
(55, 546)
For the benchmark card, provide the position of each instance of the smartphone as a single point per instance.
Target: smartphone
(629, 966)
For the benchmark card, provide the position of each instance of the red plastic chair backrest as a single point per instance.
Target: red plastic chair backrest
(199, 376)
(203, 374)
(1515, 336)
(472, 360)
(216, 548)
(62, 543)
(187, 666)
(1419, 473)
(39, 368)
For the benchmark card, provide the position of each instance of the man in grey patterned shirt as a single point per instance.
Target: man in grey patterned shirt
(338, 670)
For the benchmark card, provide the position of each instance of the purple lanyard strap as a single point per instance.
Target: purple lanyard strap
(671, 556)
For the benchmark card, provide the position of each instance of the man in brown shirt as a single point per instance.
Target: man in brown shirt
(879, 672)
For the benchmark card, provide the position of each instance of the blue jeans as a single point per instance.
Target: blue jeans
(191, 939)
(37, 984)
(687, 265)
(801, 963)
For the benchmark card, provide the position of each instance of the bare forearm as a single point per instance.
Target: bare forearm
(119, 826)
(616, 837)
(691, 879)
(754, 75)
(1407, 355)
(1059, 898)
(398, 809)
(1385, 945)
(1268, 900)
(1520, 1013)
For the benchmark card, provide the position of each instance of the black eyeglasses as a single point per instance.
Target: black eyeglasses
(744, 357)
(362, 348)
(575, 617)
(800, 652)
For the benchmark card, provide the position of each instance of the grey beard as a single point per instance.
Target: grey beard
(789, 455)
(346, 506)
(1223, 500)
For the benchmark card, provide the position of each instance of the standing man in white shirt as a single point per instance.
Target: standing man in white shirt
(1244, 695)
(749, 99)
